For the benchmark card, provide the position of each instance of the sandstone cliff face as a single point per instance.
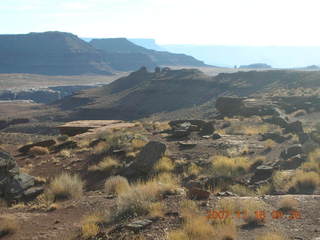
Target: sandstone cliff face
(52, 53)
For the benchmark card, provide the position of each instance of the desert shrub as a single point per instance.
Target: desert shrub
(90, 225)
(280, 181)
(165, 164)
(265, 189)
(101, 148)
(66, 186)
(138, 143)
(287, 204)
(116, 185)
(226, 166)
(252, 209)
(193, 169)
(37, 150)
(271, 236)
(304, 182)
(156, 209)
(137, 201)
(65, 153)
(195, 226)
(311, 166)
(241, 190)
(105, 165)
(8, 225)
(161, 126)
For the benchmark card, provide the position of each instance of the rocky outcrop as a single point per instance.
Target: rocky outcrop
(183, 128)
(149, 155)
(232, 106)
(51, 53)
(46, 143)
(14, 185)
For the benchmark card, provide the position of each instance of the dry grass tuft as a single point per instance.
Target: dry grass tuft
(8, 225)
(271, 236)
(90, 225)
(137, 201)
(65, 154)
(37, 150)
(254, 209)
(100, 148)
(226, 166)
(304, 182)
(287, 204)
(138, 143)
(242, 190)
(105, 165)
(66, 186)
(193, 169)
(116, 185)
(165, 164)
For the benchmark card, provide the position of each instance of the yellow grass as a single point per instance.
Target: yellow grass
(193, 169)
(137, 201)
(138, 143)
(165, 164)
(100, 148)
(116, 185)
(226, 166)
(105, 165)
(90, 225)
(241, 190)
(305, 182)
(65, 154)
(66, 186)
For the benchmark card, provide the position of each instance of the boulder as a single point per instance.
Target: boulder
(46, 143)
(203, 127)
(138, 225)
(149, 155)
(292, 151)
(198, 194)
(187, 144)
(216, 136)
(277, 120)
(294, 127)
(14, 185)
(179, 134)
(261, 173)
(292, 163)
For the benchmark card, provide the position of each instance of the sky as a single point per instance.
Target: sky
(201, 22)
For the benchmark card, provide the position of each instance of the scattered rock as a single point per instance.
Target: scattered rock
(187, 144)
(294, 127)
(216, 136)
(138, 225)
(226, 194)
(275, 137)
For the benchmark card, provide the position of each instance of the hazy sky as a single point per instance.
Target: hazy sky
(214, 22)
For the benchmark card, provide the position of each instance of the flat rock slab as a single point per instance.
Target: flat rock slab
(139, 224)
(88, 127)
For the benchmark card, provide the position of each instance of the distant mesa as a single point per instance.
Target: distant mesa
(256, 66)
(148, 43)
(124, 55)
(312, 67)
(51, 53)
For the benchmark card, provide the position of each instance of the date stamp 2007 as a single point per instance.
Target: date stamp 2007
(261, 215)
